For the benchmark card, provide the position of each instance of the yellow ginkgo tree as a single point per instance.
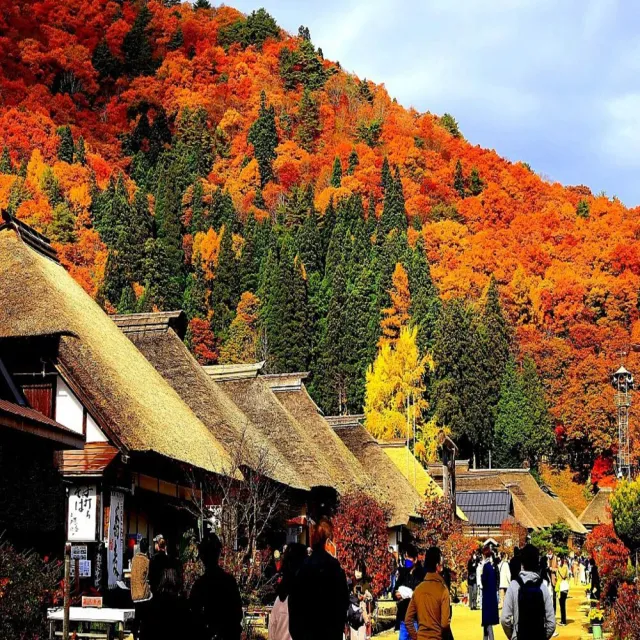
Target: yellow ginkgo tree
(395, 395)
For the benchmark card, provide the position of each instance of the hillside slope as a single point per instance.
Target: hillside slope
(197, 158)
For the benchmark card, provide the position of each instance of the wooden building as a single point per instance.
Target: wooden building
(598, 510)
(72, 365)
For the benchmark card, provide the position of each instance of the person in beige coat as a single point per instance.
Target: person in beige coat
(140, 589)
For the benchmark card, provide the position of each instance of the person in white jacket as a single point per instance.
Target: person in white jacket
(510, 619)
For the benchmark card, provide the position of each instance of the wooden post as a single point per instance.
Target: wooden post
(67, 591)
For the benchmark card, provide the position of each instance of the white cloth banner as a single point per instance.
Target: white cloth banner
(81, 523)
(116, 538)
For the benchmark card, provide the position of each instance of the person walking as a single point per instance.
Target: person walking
(214, 604)
(552, 564)
(472, 581)
(409, 577)
(528, 609)
(505, 577)
(429, 612)
(167, 615)
(595, 580)
(582, 571)
(319, 600)
(140, 589)
(292, 560)
(562, 589)
(514, 564)
(479, 577)
(159, 562)
(489, 594)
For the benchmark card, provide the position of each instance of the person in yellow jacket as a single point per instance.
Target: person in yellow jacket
(562, 589)
(429, 613)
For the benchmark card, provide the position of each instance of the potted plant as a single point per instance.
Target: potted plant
(596, 618)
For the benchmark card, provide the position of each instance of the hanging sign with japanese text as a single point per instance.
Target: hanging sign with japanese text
(83, 511)
(116, 538)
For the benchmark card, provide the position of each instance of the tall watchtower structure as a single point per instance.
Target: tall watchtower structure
(622, 382)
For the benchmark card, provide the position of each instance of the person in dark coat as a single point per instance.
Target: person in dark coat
(515, 564)
(472, 581)
(215, 606)
(166, 616)
(319, 599)
(490, 615)
(159, 562)
(409, 576)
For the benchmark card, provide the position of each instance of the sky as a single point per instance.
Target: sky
(555, 83)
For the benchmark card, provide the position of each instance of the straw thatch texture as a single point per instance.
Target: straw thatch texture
(131, 399)
(597, 511)
(259, 403)
(533, 508)
(393, 487)
(345, 470)
(240, 436)
(414, 472)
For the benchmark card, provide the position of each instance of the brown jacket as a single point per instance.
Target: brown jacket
(140, 589)
(430, 608)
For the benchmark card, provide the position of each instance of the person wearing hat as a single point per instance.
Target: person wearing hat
(159, 562)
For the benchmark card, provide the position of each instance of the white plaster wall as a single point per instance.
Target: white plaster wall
(68, 408)
(93, 431)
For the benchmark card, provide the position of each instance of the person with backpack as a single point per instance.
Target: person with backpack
(528, 608)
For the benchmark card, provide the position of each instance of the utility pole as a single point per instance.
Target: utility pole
(67, 591)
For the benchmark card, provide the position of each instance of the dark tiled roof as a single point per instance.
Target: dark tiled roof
(485, 508)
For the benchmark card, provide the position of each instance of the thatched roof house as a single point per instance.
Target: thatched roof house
(134, 406)
(533, 507)
(392, 487)
(413, 471)
(346, 472)
(597, 511)
(158, 336)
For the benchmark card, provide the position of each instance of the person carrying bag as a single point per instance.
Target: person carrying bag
(562, 588)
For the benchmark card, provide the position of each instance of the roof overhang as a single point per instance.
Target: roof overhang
(27, 420)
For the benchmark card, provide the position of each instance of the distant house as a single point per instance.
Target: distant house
(597, 511)
(74, 367)
(529, 504)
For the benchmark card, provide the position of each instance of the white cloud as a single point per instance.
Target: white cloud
(621, 137)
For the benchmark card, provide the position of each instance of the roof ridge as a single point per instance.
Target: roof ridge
(36, 240)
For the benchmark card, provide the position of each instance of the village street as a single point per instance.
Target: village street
(466, 623)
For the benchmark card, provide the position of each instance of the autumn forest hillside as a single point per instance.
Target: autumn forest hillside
(188, 156)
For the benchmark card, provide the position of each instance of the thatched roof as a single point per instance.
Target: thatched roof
(346, 472)
(125, 394)
(393, 487)
(414, 472)
(243, 440)
(256, 400)
(597, 511)
(533, 507)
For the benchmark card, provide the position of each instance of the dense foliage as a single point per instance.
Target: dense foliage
(361, 538)
(625, 510)
(28, 585)
(181, 155)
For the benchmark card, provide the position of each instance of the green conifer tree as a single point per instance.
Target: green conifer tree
(263, 135)
(136, 46)
(63, 225)
(177, 40)
(65, 145)
(336, 174)
(104, 62)
(81, 152)
(128, 302)
(450, 124)
(225, 292)
(354, 161)
(393, 215)
(582, 209)
(309, 243)
(201, 4)
(308, 121)
(196, 294)
(425, 303)
(476, 185)
(198, 220)
(459, 182)
(327, 223)
(6, 166)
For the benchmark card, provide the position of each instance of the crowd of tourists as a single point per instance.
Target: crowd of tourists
(496, 582)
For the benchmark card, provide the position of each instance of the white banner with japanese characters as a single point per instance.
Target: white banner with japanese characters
(83, 511)
(116, 538)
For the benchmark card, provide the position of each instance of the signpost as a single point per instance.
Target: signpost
(82, 517)
(116, 539)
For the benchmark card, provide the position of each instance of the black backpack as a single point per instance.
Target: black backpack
(355, 618)
(531, 610)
